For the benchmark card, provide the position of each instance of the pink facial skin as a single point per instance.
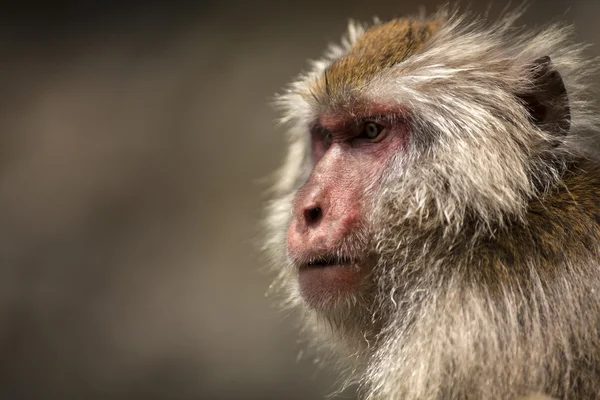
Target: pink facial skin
(349, 157)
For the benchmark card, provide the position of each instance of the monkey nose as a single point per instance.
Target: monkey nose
(312, 215)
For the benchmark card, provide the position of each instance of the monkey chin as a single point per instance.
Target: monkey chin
(325, 284)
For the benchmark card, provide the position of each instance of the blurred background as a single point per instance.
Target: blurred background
(135, 139)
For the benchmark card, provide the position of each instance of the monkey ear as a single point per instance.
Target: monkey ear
(547, 101)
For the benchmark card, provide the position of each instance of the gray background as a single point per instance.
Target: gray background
(136, 138)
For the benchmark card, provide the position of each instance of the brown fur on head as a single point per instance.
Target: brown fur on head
(467, 235)
(380, 47)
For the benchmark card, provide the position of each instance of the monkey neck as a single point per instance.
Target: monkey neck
(448, 300)
(561, 225)
(558, 226)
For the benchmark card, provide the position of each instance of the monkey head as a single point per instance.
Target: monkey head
(414, 145)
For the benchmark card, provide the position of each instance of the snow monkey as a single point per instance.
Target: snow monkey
(437, 218)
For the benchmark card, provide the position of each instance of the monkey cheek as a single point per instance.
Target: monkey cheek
(324, 287)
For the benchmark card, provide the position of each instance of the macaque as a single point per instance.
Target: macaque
(437, 218)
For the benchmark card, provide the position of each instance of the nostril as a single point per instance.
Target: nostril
(313, 215)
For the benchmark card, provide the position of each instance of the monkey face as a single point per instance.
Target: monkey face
(329, 239)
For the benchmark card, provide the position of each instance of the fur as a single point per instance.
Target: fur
(487, 283)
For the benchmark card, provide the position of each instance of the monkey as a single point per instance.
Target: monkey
(436, 220)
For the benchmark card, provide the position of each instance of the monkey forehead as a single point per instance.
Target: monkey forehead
(380, 47)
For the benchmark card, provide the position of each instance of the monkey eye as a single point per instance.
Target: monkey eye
(327, 137)
(321, 134)
(371, 130)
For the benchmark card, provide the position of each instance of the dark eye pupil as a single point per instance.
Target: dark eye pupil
(327, 137)
(372, 130)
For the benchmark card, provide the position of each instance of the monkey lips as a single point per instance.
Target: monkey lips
(327, 279)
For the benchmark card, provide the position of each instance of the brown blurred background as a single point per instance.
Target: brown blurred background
(135, 138)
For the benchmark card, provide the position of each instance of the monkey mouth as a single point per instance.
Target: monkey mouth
(326, 279)
(328, 261)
